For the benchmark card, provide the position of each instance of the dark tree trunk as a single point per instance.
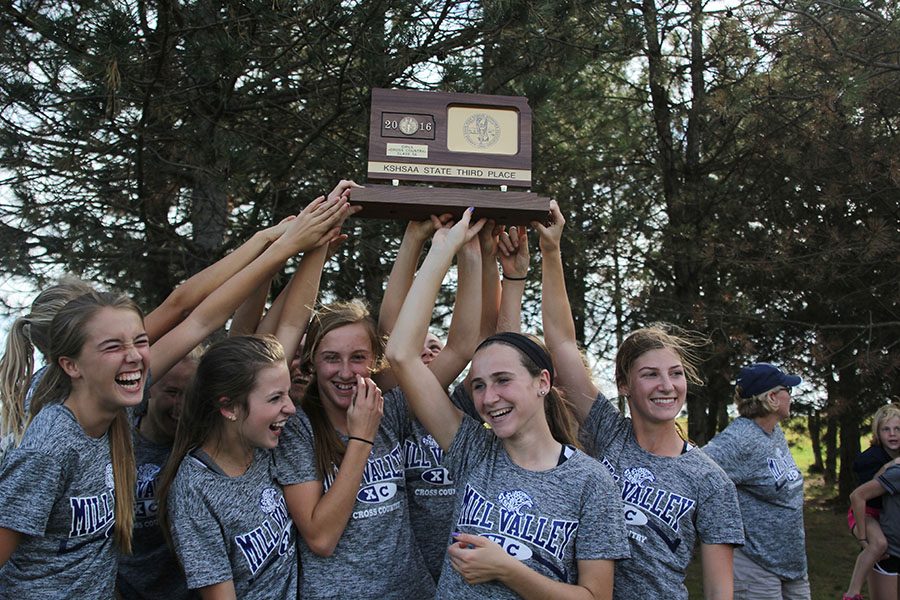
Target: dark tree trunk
(814, 424)
(831, 449)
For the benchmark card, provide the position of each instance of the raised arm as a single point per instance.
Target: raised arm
(187, 296)
(559, 327)
(315, 225)
(465, 332)
(321, 516)
(299, 300)
(514, 259)
(425, 394)
(247, 317)
(403, 271)
(489, 237)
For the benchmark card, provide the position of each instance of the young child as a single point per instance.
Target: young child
(219, 499)
(885, 447)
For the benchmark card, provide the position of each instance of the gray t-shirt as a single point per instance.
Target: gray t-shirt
(235, 528)
(57, 489)
(669, 503)
(770, 494)
(377, 556)
(549, 520)
(151, 571)
(890, 508)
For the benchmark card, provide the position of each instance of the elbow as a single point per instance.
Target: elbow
(395, 354)
(321, 547)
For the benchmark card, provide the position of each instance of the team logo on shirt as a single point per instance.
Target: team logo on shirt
(508, 524)
(93, 514)
(272, 537)
(643, 500)
(428, 456)
(783, 469)
(145, 494)
(377, 485)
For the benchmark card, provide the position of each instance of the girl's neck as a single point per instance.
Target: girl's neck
(228, 451)
(93, 418)
(661, 439)
(336, 416)
(535, 450)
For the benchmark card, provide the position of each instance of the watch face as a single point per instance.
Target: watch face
(408, 125)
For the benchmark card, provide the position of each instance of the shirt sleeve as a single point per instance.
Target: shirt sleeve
(890, 479)
(470, 445)
(599, 428)
(295, 454)
(197, 536)
(728, 452)
(31, 482)
(601, 529)
(718, 514)
(396, 418)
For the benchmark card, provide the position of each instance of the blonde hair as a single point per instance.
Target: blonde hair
(659, 337)
(27, 333)
(68, 335)
(759, 405)
(885, 413)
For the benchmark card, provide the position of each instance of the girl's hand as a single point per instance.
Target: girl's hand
(318, 223)
(342, 189)
(364, 413)
(452, 236)
(421, 231)
(489, 238)
(551, 234)
(477, 558)
(514, 257)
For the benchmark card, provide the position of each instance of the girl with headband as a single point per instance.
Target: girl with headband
(535, 517)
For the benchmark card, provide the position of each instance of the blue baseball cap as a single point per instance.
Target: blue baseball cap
(762, 377)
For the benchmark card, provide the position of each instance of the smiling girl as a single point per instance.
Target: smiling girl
(68, 489)
(535, 517)
(218, 496)
(673, 493)
(341, 464)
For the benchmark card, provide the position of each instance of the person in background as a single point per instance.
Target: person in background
(753, 451)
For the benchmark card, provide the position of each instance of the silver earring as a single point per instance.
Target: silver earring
(232, 417)
(542, 392)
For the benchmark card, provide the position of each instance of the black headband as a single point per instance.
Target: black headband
(526, 346)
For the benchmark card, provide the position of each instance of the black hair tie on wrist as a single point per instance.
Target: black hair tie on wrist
(509, 278)
(359, 439)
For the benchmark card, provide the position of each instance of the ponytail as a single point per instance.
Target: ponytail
(28, 333)
(123, 479)
(16, 369)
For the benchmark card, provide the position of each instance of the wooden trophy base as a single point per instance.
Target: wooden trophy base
(418, 203)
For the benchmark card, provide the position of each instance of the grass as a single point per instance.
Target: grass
(830, 549)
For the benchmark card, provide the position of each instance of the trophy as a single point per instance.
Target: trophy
(449, 138)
